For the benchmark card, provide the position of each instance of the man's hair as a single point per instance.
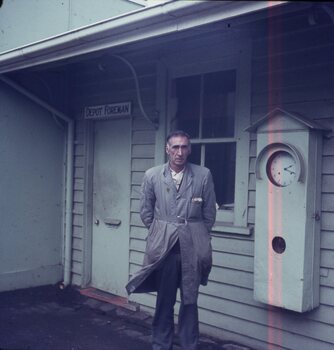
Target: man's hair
(177, 133)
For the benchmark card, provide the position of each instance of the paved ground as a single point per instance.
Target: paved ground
(48, 318)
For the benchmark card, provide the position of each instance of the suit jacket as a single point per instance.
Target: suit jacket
(186, 215)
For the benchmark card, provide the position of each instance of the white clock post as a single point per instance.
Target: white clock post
(287, 219)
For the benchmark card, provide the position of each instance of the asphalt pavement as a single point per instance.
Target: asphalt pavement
(50, 318)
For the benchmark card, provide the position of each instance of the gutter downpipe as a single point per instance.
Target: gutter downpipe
(69, 173)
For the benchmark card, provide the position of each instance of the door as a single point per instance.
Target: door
(111, 205)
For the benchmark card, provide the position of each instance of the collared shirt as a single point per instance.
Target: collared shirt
(177, 177)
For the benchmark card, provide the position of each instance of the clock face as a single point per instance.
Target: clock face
(281, 168)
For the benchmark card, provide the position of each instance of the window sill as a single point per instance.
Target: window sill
(223, 227)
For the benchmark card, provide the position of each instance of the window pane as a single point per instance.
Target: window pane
(195, 156)
(219, 104)
(188, 105)
(220, 159)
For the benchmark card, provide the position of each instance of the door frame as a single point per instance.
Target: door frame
(87, 238)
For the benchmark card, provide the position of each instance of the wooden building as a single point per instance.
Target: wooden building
(248, 81)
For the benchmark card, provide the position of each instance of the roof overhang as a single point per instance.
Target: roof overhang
(152, 22)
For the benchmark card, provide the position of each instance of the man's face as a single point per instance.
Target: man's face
(178, 149)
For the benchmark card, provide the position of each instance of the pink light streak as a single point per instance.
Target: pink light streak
(274, 277)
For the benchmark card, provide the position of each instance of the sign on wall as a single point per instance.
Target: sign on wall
(108, 111)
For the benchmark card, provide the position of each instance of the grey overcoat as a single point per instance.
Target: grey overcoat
(187, 215)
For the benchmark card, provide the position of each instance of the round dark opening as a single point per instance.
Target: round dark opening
(278, 244)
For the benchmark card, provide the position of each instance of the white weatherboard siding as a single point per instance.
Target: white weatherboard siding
(227, 307)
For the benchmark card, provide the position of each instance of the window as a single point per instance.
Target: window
(206, 107)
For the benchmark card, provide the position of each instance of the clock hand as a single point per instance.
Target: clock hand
(291, 172)
(289, 167)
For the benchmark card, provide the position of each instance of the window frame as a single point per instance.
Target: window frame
(227, 221)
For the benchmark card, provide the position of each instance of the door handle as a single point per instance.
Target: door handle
(112, 222)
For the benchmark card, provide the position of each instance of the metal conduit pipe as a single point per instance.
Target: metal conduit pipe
(154, 121)
(69, 172)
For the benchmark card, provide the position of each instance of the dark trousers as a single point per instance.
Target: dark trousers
(169, 280)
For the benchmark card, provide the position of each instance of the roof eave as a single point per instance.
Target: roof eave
(139, 25)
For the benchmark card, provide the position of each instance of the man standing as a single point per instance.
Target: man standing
(178, 206)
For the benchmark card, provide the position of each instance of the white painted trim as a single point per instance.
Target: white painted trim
(154, 21)
(243, 112)
(88, 203)
(235, 221)
(161, 106)
(139, 2)
(220, 227)
(147, 3)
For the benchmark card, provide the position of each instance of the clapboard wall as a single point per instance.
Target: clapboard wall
(292, 68)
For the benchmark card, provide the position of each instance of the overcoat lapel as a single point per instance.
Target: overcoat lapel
(166, 175)
(167, 179)
(186, 181)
